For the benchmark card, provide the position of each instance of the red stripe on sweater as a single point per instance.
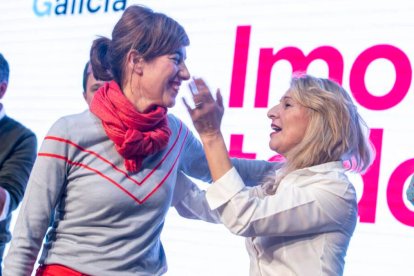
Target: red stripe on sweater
(59, 139)
(169, 172)
(110, 179)
(91, 169)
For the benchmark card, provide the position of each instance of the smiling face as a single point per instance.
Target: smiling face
(158, 81)
(289, 123)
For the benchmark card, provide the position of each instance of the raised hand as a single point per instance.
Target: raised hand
(206, 117)
(207, 114)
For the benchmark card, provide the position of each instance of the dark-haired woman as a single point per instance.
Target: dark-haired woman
(110, 173)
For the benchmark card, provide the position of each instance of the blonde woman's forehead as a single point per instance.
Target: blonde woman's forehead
(288, 94)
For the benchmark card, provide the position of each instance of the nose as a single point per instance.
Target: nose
(273, 111)
(184, 73)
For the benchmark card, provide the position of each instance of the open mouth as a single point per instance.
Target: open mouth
(276, 128)
(175, 85)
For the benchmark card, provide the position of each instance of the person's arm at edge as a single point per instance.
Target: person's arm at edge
(16, 170)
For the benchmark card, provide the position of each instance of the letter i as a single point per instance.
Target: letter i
(238, 79)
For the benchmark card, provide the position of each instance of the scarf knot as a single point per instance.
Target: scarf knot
(135, 135)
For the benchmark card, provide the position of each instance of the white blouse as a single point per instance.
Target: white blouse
(303, 229)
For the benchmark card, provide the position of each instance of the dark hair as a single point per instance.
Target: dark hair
(86, 73)
(4, 69)
(150, 33)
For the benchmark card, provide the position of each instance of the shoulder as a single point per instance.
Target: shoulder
(15, 129)
(172, 119)
(175, 123)
(329, 177)
(74, 119)
(73, 124)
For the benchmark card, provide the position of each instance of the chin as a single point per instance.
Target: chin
(272, 147)
(171, 104)
(277, 149)
(167, 103)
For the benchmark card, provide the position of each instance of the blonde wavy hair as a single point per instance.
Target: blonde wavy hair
(336, 131)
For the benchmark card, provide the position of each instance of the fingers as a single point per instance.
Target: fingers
(200, 89)
(189, 109)
(202, 95)
(193, 88)
(198, 85)
(201, 85)
(197, 105)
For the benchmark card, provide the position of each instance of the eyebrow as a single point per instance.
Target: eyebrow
(285, 97)
(96, 85)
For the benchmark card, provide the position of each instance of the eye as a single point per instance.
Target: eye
(95, 88)
(287, 105)
(176, 58)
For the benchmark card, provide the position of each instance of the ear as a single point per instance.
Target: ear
(135, 62)
(3, 88)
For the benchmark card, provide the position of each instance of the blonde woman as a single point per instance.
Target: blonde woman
(301, 221)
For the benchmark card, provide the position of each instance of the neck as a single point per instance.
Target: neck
(141, 104)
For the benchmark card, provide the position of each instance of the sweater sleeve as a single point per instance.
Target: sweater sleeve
(45, 184)
(190, 201)
(16, 168)
(194, 162)
(254, 172)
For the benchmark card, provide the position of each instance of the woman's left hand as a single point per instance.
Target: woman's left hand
(207, 114)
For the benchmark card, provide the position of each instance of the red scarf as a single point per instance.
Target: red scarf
(136, 135)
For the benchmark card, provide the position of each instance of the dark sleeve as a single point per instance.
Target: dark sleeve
(16, 169)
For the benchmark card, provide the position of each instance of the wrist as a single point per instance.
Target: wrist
(211, 138)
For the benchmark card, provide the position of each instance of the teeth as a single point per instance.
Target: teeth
(175, 86)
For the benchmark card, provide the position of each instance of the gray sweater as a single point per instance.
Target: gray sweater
(107, 221)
